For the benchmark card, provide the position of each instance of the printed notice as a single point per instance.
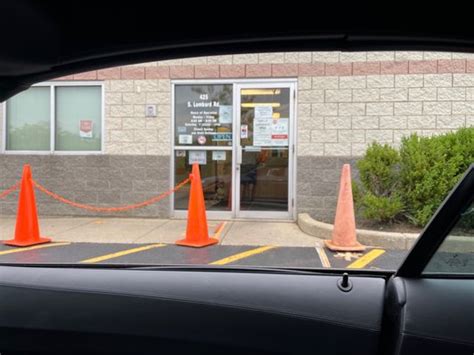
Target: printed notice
(264, 111)
(225, 114)
(185, 139)
(262, 131)
(244, 131)
(218, 155)
(85, 128)
(251, 148)
(197, 156)
(280, 132)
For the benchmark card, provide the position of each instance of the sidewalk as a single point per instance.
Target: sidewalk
(140, 230)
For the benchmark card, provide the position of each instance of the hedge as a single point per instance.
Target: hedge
(410, 183)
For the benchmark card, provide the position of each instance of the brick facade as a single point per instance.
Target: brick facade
(345, 101)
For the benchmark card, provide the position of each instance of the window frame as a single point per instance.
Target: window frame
(52, 151)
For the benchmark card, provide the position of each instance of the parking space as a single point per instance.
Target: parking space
(170, 254)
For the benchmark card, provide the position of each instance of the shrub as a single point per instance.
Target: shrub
(430, 168)
(381, 208)
(377, 195)
(412, 183)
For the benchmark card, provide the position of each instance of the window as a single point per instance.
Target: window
(456, 254)
(78, 110)
(72, 112)
(28, 115)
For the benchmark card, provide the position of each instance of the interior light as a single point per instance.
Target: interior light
(260, 92)
(253, 104)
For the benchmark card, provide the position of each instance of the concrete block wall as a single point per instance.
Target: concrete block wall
(100, 180)
(345, 101)
(318, 184)
(129, 132)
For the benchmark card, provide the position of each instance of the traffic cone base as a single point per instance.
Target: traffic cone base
(186, 243)
(27, 243)
(334, 247)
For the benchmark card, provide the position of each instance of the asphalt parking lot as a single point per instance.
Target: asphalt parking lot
(169, 254)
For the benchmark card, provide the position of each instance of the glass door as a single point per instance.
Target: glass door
(264, 150)
(203, 134)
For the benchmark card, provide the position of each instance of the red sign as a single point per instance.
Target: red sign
(85, 128)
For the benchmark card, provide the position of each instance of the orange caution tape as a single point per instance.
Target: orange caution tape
(9, 190)
(109, 209)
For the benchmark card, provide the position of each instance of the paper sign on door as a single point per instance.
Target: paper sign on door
(280, 132)
(244, 131)
(197, 156)
(262, 131)
(218, 155)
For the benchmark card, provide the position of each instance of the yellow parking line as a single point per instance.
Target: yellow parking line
(41, 246)
(243, 255)
(323, 257)
(121, 253)
(366, 259)
(219, 230)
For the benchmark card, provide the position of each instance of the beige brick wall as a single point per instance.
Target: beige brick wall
(128, 130)
(342, 105)
(340, 116)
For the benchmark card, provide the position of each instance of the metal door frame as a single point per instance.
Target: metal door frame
(290, 213)
(237, 84)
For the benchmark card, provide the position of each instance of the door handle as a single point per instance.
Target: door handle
(239, 155)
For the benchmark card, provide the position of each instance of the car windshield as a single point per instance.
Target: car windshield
(322, 159)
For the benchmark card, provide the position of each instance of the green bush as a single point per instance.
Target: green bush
(430, 168)
(381, 208)
(377, 195)
(411, 183)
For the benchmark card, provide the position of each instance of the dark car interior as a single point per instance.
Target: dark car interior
(85, 309)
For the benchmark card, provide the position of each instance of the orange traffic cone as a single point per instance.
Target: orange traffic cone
(344, 233)
(27, 227)
(197, 233)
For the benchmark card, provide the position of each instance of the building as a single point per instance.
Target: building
(271, 131)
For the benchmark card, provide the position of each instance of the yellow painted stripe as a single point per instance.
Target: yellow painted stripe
(40, 246)
(323, 257)
(243, 255)
(219, 230)
(366, 259)
(121, 253)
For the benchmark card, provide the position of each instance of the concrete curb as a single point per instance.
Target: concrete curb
(389, 240)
